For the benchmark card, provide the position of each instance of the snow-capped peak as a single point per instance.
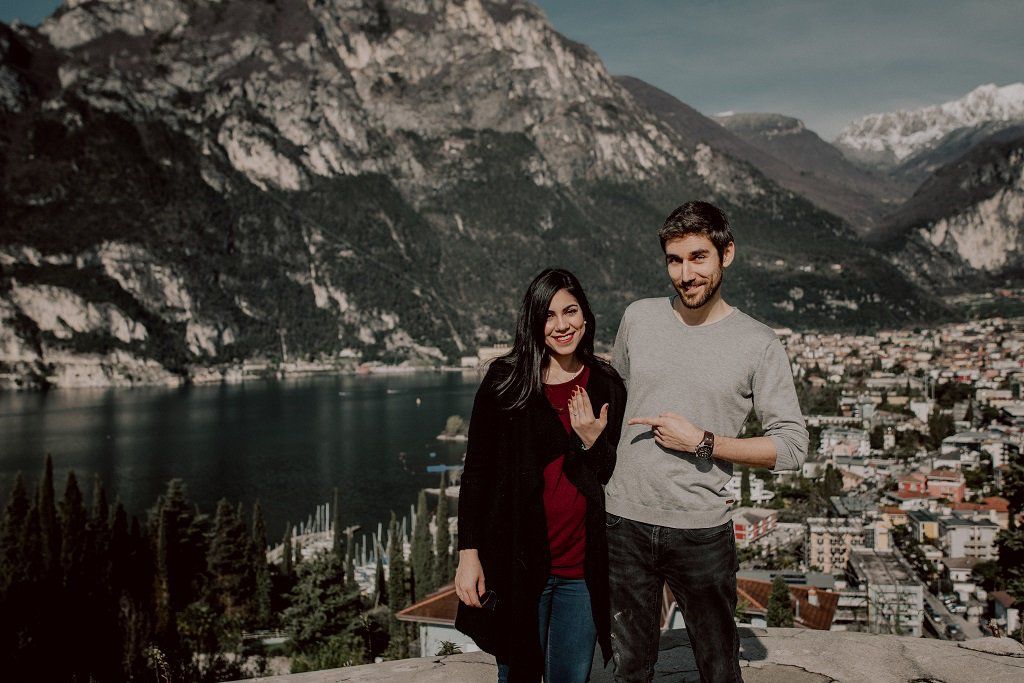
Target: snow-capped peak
(894, 136)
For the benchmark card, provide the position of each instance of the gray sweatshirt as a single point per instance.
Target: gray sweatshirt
(713, 375)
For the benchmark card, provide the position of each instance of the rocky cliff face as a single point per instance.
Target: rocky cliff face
(967, 220)
(193, 183)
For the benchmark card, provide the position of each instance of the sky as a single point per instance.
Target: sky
(825, 62)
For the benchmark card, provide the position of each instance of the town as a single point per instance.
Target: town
(911, 491)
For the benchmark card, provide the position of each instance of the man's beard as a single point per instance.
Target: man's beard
(713, 284)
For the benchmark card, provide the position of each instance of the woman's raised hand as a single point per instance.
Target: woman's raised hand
(469, 578)
(581, 416)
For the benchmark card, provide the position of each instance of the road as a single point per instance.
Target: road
(946, 617)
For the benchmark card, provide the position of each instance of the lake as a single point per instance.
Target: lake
(286, 443)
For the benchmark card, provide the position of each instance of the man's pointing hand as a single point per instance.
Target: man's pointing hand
(672, 431)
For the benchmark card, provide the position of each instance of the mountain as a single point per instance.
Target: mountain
(966, 222)
(793, 161)
(823, 174)
(919, 166)
(887, 140)
(188, 184)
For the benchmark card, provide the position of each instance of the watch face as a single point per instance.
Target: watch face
(703, 451)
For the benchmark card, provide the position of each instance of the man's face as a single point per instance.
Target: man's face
(695, 269)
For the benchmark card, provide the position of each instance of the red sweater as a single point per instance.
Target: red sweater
(564, 505)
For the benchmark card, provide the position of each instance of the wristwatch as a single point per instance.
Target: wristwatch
(706, 446)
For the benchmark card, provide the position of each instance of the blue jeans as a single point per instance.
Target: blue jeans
(567, 632)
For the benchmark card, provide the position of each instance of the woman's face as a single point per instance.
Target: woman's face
(564, 327)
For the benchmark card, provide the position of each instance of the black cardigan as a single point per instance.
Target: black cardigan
(501, 513)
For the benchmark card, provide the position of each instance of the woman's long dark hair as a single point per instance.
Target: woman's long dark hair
(525, 362)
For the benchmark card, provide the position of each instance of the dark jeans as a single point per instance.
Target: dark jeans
(567, 632)
(700, 567)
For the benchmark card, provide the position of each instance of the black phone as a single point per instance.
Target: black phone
(489, 600)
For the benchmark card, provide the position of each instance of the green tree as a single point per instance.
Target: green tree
(745, 486)
(1011, 540)
(380, 591)
(73, 536)
(261, 603)
(325, 621)
(940, 425)
(780, 605)
(443, 572)
(232, 579)
(286, 551)
(831, 482)
(12, 529)
(49, 530)
(181, 535)
(398, 593)
(336, 525)
(350, 566)
(422, 551)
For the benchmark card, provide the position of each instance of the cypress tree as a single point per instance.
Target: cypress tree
(98, 536)
(75, 600)
(261, 601)
(72, 533)
(336, 526)
(119, 550)
(230, 562)
(48, 529)
(443, 564)
(380, 593)
(422, 552)
(350, 568)
(780, 605)
(398, 594)
(13, 536)
(286, 551)
(298, 552)
(12, 530)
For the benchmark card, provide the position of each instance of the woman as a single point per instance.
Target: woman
(533, 566)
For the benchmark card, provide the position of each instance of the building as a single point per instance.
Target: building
(750, 524)
(844, 441)
(1007, 611)
(758, 493)
(813, 607)
(913, 485)
(895, 597)
(435, 618)
(924, 525)
(962, 537)
(948, 484)
(828, 542)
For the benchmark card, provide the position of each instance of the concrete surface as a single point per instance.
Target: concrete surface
(778, 655)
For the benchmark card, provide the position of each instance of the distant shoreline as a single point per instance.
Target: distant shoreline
(96, 375)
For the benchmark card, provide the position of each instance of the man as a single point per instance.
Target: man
(694, 367)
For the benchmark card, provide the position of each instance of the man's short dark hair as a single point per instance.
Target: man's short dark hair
(698, 218)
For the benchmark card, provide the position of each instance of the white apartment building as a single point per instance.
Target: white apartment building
(828, 541)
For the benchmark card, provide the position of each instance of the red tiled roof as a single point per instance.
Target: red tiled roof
(819, 617)
(913, 494)
(437, 608)
(944, 473)
(997, 503)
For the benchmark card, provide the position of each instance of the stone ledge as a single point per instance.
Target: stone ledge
(778, 655)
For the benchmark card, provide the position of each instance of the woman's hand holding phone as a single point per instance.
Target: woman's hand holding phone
(469, 578)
